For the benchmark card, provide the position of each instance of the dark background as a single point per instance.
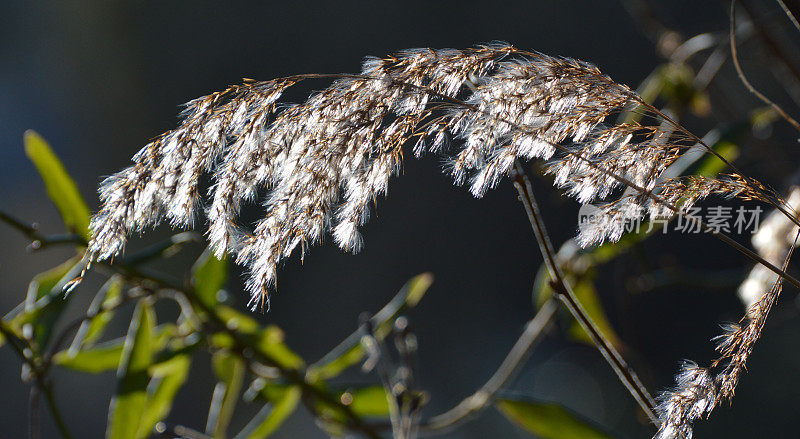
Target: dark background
(98, 79)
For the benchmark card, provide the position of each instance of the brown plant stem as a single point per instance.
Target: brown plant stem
(33, 413)
(743, 78)
(564, 293)
(789, 14)
(38, 375)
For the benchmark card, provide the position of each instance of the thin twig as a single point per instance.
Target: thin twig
(40, 241)
(39, 376)
(565, 294)
(789, 14)
(51, 403)
(33, 413)
(743, 78)
(508, 369)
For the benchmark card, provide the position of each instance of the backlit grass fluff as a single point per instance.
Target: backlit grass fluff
(322, 162)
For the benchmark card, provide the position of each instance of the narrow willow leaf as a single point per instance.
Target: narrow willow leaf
(272, 344)
(168, 378)
(237, 321)
(45, 302)
(268, 341)
(365, 402)
(98, 359)
(349, 351)
(242, 323)
(109, 295)
(128, 405)
(368, 401)
(350, 357)
(60, 186)
(106, 356)
(272, 415)
(208, 277)
(230, 371)
(548, 420)
(266, 390)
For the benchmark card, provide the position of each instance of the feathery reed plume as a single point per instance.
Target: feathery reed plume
(324, 160)
(690, 400)
(698, 390)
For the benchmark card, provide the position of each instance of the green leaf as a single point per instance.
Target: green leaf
(98, 359)
(237, 321)
(45, 302)
(168, 378)
(272, 344)
(268, 390)
(548, 420)
(106, 356)
(348, 358)
(208, 277)
(268, 341)
(60, 186)
(230, 370)
(272, 415)
(365, 402)
(109, 296)
(128, 405)
(350, 351)
(368, 401)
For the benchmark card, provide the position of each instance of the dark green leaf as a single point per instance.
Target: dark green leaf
(208, 277)
(272, 415)
(45, 301)
(109, 296)
(98, 359)
(128, 405)
(272, 344)
(106, 356)
(548, 420)
(367, 401)
(60, 186)
(230, 371)
(237, 321)
(268, 341)
(168, 378)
